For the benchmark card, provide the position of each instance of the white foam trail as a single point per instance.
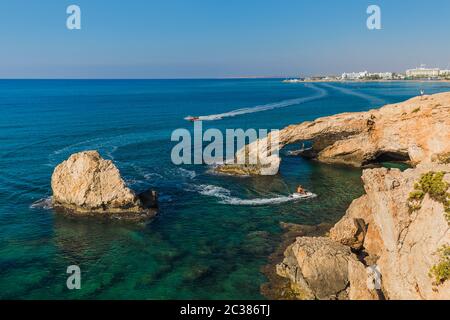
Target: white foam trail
(72, 146)
(111, 152)
(187, 173)
(320, 93)
(264, 201)
(152, 175)
(106, 145)
(44, 203)
(225, 197)
(368, 97)
(165, 174)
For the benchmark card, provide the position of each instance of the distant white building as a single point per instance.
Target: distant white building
(423, 72)
(398, 76)
(367, 75)
(381, 75)
(444, 72)
(354, 75)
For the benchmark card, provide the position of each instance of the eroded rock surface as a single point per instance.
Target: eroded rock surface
(405, 241)
(318, 268)
(351, 229)
(88, 184)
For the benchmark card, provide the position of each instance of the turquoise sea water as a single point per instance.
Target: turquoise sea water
(198, 246)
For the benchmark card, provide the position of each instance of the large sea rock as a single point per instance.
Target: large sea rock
(417, 130)
(87, 184)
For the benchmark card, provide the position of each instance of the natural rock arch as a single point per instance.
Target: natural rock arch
(416, 130)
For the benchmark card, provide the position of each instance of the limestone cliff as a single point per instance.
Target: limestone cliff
(401, 240)
(417, 130)
(389, 244)
(88, 184)
(386, 229)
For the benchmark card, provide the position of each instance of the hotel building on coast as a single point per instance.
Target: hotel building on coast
(423, 72)
(366, 75)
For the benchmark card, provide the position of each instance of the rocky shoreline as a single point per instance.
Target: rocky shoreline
(379, 232)
(279, 288)
(393, 242)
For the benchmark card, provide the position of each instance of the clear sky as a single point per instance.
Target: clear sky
(212, 38)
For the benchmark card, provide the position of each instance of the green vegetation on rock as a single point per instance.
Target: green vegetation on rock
(433, 184)
(441, 271)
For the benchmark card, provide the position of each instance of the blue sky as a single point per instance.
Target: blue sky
(212, 38)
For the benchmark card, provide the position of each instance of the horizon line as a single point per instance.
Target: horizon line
(156, 78)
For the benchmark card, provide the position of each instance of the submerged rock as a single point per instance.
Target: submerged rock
(88, 184)
(317, 268)
(280, 288)
(417, 130)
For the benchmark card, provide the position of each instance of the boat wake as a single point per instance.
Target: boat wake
(45, 203)
(224, 195)
(368, 97)
(163, 176)
(107, 146)
(320, 93)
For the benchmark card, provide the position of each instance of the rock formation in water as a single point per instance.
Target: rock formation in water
(88, 184)
(417, 130)
(398, 229)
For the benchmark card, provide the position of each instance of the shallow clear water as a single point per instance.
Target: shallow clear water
(198, 247)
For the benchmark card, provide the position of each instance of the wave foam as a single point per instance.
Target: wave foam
(152, 176)
(320, 93)
(44, 203)
(187, 173)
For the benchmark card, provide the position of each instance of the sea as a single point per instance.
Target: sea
(214, 233)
